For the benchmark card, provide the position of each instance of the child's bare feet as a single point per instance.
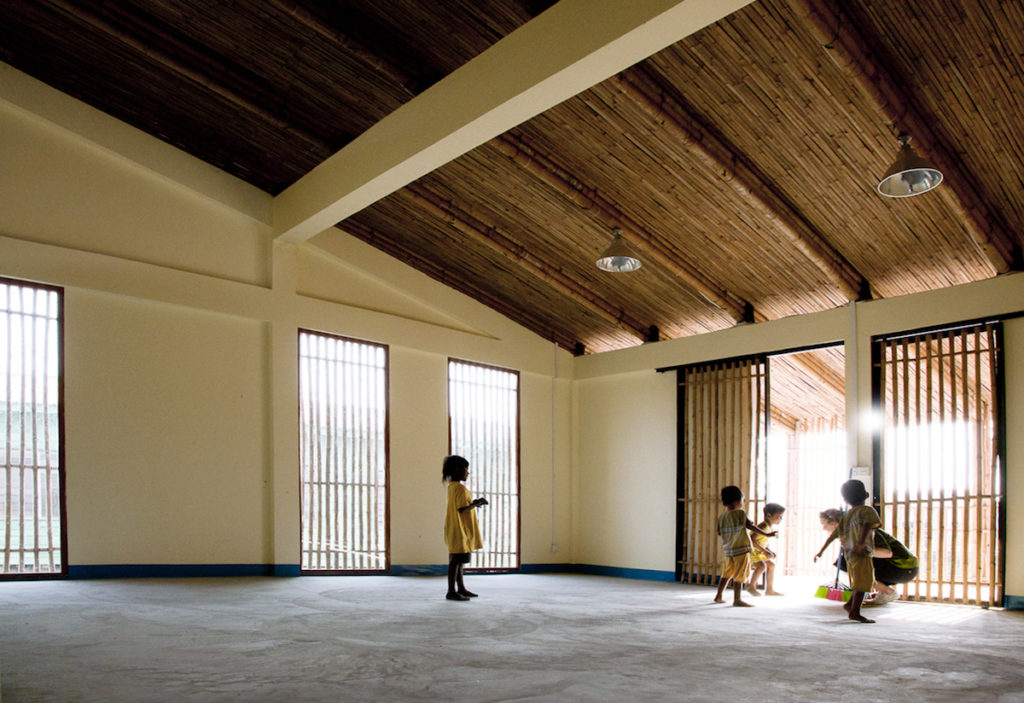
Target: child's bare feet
(742, 604)
(859, 618)
(753, 591)
(719, 599)
(846, 606)
(774, 593)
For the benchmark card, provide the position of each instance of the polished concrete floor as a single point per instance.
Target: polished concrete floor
(526, 638)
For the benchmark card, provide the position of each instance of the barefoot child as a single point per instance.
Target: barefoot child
(732, 526)
(856, 531)
(461, 531)
(762, 559)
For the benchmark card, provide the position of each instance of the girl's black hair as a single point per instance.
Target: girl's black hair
(452, 467)
(773, 509)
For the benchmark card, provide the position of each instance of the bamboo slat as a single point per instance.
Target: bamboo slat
(937, 462)
(721, 435)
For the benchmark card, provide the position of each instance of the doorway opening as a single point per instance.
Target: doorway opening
(775, 427)
(807, 458)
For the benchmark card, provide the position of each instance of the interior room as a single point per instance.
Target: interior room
(263, 266)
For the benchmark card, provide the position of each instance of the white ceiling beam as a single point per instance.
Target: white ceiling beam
(566, 50)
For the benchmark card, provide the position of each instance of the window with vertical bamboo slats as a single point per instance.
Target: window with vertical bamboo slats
(483, 416)
(941, 480)
(725, 415)
(31, 485)
(344, 459)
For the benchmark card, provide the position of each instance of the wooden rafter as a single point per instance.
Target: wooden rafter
(498, 242)
(587, 198)
(846, 44)
(445, 276)
(737, 172)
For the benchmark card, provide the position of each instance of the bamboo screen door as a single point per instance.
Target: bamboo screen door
(483, 419)
(343, 444)
(724, 409)
(941, 484)
(32, 534)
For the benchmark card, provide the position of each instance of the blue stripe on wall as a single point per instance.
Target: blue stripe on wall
(419, 569)
(645, 574)
(131, 571)
(549, 569)
(1013, 602)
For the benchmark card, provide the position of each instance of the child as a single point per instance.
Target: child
(732, 526)
(461, 532)
(856, 531)
(892, 561)
(762, 558)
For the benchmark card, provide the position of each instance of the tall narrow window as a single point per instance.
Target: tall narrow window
(344, 439)
(941, 484)
(31, 487)
(483, 417)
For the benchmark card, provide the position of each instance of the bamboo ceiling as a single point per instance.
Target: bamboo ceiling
(740, 162)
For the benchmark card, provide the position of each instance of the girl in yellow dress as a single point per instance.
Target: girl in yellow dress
(461, 531)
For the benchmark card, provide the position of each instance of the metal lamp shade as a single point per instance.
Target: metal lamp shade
(909, 175)
(619, 257)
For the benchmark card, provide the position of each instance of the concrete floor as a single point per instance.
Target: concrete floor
(527, 638)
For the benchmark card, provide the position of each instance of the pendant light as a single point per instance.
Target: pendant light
(909, 175)
(619, 257)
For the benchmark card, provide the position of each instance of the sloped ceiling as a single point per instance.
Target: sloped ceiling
(740, 162)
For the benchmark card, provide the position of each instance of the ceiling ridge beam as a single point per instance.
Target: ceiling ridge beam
(176, 66)
(751, 185)
(458, 283)
(491, 237)
(844, 42)
(588, 198)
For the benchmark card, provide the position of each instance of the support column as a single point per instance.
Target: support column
(284, 414)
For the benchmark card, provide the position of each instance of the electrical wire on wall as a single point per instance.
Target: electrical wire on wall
(554, 455)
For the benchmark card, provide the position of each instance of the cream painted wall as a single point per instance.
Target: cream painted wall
(180, 338)
(110, 205)
(419, 442)
(625, 480)
(546, 490)
(166, 434)
(613, 388)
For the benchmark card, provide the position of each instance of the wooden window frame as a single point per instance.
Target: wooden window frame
(517, 445)
(385, 538)
(62, 573)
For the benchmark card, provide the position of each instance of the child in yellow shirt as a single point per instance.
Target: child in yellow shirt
(461, 531)
(762, 559)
